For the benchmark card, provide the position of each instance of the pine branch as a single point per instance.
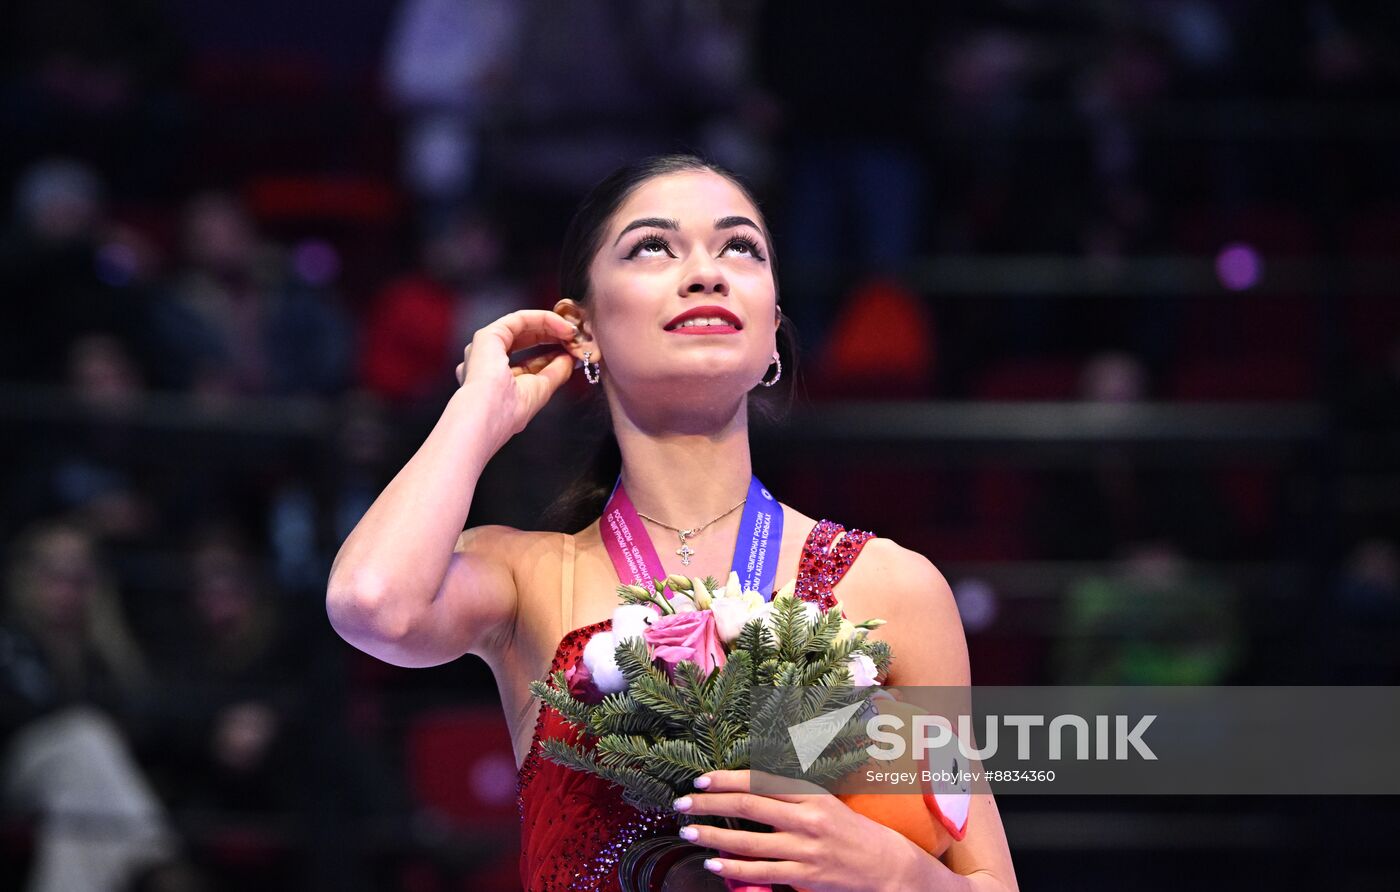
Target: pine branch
(828, 769)
(737, 756)
(634, 660)
(656, 693)
(825, 634)
(690, 687)
(790, 628)
(727, 691)
(557, 697)
(879, 654)
(756, 640)
(570, 755)
(828, 693)
(676, 763)
(765, 673)
(623, 749)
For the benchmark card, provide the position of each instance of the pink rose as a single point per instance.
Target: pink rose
(691, 636)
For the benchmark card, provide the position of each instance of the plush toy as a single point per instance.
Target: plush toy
(935, 816)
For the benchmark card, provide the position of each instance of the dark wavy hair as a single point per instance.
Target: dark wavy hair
(584, 499)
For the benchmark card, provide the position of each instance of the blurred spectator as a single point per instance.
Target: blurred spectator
(309, 515)
(1360, 628)
(235, 323)
(231, 692)
(445, 65)
(607, 82)
(96, 77)
(852, 131)
(67, 665)
(420, 323)
(1115, 500)
(1157, 621)
(65, 271)
(91, 478)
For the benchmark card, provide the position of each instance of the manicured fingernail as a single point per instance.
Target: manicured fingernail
(689, 832)
(702, 783)
(713, 865)
(682, 804)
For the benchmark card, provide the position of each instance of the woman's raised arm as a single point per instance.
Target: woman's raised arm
(408, 586)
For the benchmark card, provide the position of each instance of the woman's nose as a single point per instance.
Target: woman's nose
(708, 284)
(704, 277)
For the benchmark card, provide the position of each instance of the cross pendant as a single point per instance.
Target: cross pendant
(685, 551)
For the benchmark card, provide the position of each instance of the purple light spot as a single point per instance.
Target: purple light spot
(1238, 266)
(978, 603)
(316, 262)
(493, 778)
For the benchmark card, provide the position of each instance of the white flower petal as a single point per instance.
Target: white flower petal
(631, 621)
(863, 671)
(730, 616)
(600, 658)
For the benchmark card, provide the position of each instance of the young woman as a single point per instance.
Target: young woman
(670, 302)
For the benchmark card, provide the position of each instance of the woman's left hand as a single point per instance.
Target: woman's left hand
(817, 844)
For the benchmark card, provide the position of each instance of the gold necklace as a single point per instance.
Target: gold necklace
(685, 551)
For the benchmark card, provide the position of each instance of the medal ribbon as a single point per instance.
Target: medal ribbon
(636, 560)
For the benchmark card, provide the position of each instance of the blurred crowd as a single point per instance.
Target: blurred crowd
(244, 250)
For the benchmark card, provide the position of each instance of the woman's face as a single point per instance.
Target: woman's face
(64, 579)
(685, 246)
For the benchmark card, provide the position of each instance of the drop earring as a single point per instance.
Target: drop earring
(779, 374)
(591, 370)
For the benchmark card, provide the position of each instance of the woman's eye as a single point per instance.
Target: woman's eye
(744, 247)
(651, 246)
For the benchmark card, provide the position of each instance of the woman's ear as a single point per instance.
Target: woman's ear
(584, 339)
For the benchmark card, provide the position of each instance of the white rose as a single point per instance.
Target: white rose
(730, 616)
(863, 671)
(753, 598)
(631, 621)
(600, 658)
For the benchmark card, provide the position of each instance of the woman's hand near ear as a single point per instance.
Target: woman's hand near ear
(408, 585)
(515, 393)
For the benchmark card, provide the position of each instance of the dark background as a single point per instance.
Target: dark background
(1099, 306)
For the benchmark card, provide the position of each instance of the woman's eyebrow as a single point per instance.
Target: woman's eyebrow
(731, 222)
(648, 222)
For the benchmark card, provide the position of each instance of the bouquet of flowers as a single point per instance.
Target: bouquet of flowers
(667, 695)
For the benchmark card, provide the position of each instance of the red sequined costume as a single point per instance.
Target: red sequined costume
(575, 827)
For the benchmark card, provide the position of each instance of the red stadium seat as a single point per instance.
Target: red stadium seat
(882, 346)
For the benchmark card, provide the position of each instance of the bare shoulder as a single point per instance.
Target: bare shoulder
(923, 628)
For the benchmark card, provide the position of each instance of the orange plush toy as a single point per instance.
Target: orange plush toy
(933, 818)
